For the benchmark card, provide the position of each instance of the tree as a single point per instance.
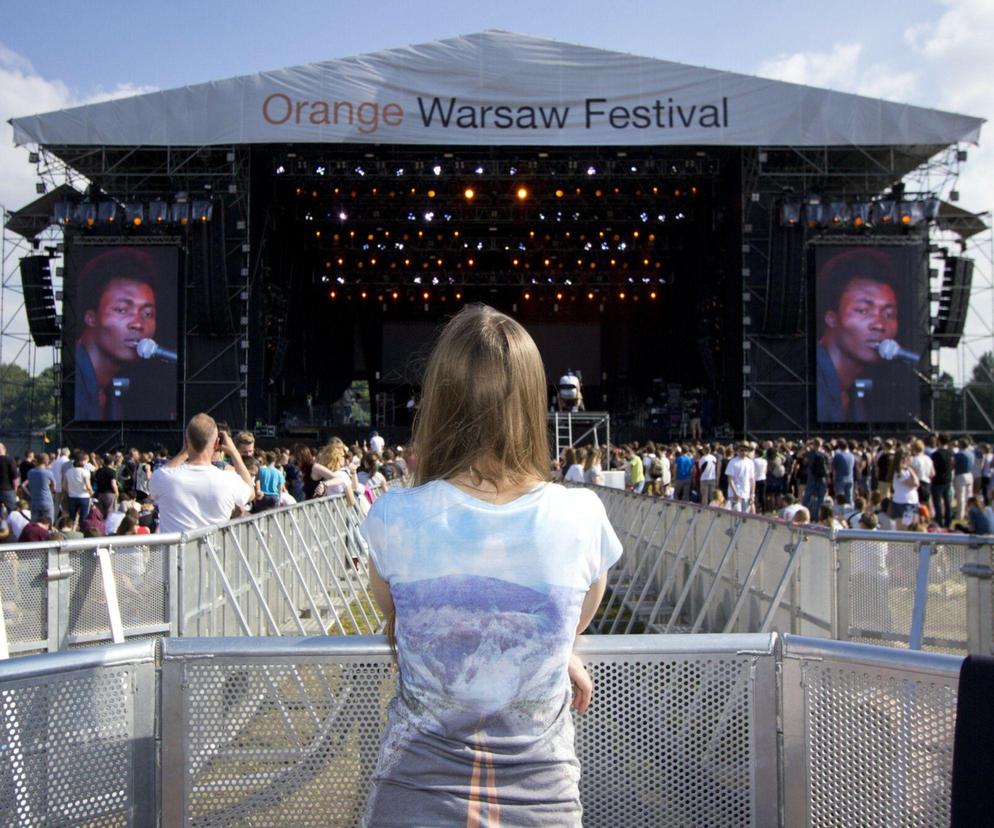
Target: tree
(980, 396)
(26, 402)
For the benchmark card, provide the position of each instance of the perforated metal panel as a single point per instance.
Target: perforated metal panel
(70, 744)
(673, 738)
(669, 742)
(271, 743)
(883, 601)
(24, 591)
(875, 743)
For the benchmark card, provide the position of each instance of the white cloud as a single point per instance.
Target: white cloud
(25, 92)
(844, 69)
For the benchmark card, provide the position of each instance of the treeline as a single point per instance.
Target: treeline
(26, 402)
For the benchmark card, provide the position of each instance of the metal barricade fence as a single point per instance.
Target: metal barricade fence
(301, 570)
(696, 569)
(716, 730)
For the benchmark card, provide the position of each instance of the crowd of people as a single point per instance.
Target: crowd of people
(73, 494)
(935, 484)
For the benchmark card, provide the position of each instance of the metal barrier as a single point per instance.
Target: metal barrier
(688, 568)
(301, 570)
(683, 730)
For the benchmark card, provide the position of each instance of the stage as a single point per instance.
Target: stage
(658, 237)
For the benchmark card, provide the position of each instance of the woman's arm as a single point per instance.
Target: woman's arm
(583, 687)
(381, 591)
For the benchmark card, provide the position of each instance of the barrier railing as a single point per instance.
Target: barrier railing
(301, 570)
(688, 568)
(717, 730)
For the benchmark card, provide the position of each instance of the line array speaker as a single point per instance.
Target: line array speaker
(954, 301)
(39, 300)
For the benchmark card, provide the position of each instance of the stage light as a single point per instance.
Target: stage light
(591, 170)
(281, 170)
(85, 215)
(179, 213)
(527, 295)
(429, 216)
(590, 296)
(399, 172)
(202, 211)
(522, 193)
(134, 213)
(62, 213)
(652, 294)
(560, 193)
(340, 280)
(512, 170)
(884, 212)
(417, 280)
(621, 295)
(107, 212)
(469, 193)
(363, 295)
(320, 169)
(431, 194)
(332, 294)
(436, 169)
(394, 295)
(458, 296)
(559, 296)
(425, 295)
(360, 171)
(790, 212)
(479, 170)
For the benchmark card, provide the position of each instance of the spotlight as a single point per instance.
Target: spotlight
(436, 169)
(280, 169)
(429, 215)
(134, 213)
(479, 170)
(425, 295)
(158, 212)
(360, 171)
(107, 212)
(790, 212)
(840, 213)
(522, 193)
(342, 216)
(591, 170)
(62, 213)
(469, 193)
(559, 193)
(179, 213)
(431, 194)
(85, 214)
(399, 172)
(202, 211)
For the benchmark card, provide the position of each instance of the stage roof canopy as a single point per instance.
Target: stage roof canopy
(498, 88)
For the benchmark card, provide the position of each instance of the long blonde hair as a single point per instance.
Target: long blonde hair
(483, 406)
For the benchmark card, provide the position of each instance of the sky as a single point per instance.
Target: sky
(934, 53)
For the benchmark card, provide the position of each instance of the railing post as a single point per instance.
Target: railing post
(917, 631)
(842, 619)
(979, 626)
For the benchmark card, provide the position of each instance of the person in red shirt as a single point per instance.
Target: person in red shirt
(37, 531)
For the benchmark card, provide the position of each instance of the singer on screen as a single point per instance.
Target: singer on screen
(860, 364)
(116, 298)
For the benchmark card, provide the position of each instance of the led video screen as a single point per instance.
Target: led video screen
(120, 322)
(869, 330)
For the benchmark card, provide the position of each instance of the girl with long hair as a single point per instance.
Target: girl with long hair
(488, 572)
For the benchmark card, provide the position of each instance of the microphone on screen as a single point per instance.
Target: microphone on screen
(889, 349)
(150, 349)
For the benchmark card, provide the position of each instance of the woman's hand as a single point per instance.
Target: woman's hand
(583, 687)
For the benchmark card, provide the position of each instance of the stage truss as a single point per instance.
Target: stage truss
(777, 374)
(216, 366)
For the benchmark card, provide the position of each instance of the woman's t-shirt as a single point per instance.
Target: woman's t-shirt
(487, 602)
(76, 480)
(904, 493)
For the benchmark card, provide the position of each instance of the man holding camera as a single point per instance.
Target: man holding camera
(190, 491)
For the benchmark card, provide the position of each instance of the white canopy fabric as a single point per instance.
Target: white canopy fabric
(498, 88)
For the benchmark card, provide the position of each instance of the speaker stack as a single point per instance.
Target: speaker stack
(39, 300)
